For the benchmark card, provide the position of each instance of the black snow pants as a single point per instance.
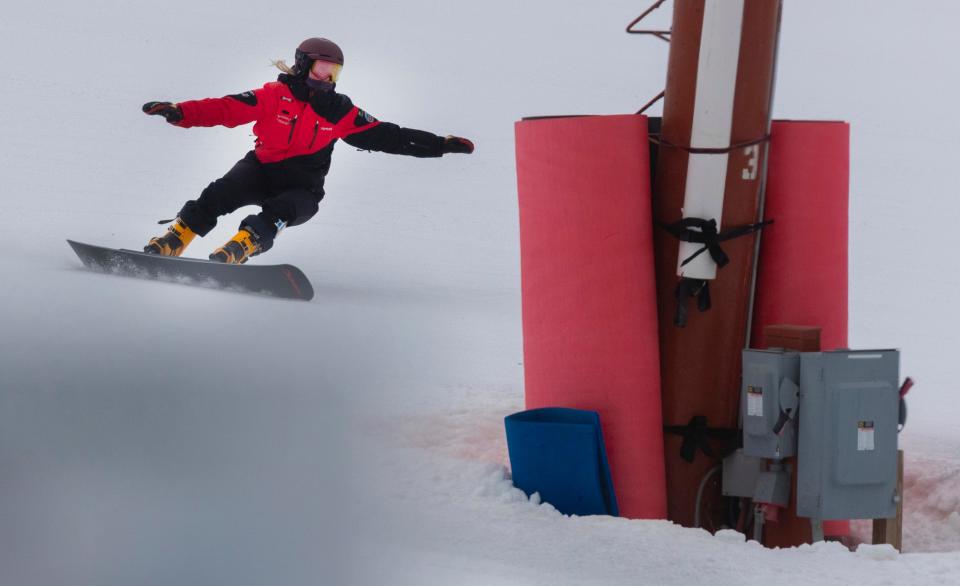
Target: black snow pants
(288, 195)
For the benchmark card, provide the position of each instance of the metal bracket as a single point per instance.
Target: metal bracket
(652, 102)
(660, 34)
(816, 530)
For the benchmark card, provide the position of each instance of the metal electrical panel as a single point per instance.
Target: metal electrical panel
(768, 403)
(741, 474)
(849, 408)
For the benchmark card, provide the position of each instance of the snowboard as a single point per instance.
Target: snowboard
(284, 281)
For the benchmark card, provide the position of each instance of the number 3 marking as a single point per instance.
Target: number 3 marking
(750, 172)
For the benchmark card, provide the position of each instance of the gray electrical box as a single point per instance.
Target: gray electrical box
(740, 474)
(768, 403)
(849, 408)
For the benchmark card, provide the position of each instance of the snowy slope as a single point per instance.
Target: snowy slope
(159, 434)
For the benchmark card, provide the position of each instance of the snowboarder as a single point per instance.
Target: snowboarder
(298, 118)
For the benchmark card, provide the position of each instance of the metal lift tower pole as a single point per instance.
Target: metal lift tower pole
(708, 196)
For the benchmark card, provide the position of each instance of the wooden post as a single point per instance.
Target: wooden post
(891, 530)
(799, 338)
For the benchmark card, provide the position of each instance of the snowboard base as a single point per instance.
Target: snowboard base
(283, 281)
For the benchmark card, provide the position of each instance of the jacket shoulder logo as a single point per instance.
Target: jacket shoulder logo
(363, 118)
(248, 98)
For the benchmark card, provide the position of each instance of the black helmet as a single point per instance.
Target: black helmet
(316, 49)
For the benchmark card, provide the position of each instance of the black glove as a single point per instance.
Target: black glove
(456, 144)
(171, 112)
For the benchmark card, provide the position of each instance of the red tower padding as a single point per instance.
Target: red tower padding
(589, 297)
(802, 270)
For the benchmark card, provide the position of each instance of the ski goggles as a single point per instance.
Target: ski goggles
(323, 69)
(306, 62)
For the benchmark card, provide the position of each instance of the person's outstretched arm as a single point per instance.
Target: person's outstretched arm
(363, 131)
(228, 111)
(390, 138)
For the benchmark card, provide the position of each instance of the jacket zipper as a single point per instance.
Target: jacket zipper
(293, 125)
(316, 127)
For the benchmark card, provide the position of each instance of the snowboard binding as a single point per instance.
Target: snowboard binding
(173, 242)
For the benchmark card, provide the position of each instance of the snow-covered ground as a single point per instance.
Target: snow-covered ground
(153, 433)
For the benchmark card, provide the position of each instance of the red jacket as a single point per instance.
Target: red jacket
(285, 126)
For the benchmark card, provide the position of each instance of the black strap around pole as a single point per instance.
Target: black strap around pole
(700, 231)
(697, 435)
(686, 288)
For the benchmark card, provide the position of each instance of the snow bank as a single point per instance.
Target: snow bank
(472, 505)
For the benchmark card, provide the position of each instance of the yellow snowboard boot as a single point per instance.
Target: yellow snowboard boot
(173, 242)
(238, 249)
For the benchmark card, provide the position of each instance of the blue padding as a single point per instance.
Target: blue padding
(559, 453)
